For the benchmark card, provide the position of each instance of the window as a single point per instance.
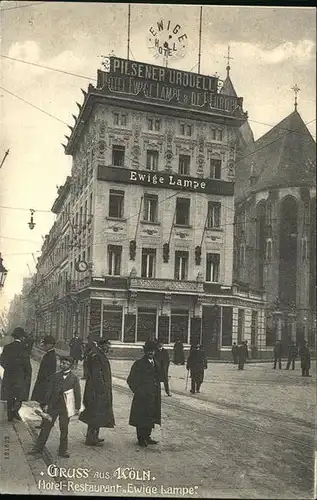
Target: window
(151, 159)
(215, 168)
(116, 204)
(150, 208)
(120, 119)
(148, 262)
(184, 164)
(185, 129)
(242, 254)
(181, 265)
(254, 328)
(118, 156)
(219, 135)
(268, 250)
(214, 214)
(304, 249)
(182, 211)
(212, 267)
(154, 124)
(240, 325)
(114, 260)
(269, 214)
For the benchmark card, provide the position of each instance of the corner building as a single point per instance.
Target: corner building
(152, 211)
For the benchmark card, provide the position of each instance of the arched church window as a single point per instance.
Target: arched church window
(268, 250)
(269, 213)
(304, 249)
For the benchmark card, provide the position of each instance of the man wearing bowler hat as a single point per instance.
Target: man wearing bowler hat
(15, 384)
(55, 406)
(144, 382)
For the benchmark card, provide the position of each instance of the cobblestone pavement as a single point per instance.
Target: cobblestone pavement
(249, 434)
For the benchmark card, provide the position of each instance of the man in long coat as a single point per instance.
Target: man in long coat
(178, 351)
(163, 361)
(76, 349)
(241, 356)
(87, 348)
(292, 355)
(144, 382)
(97, 399)
(304, 355)
(196, 363)
(47, 369)
(15, 385)
(278, 355)
(234, 351)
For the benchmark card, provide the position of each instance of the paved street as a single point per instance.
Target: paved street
(248, 434)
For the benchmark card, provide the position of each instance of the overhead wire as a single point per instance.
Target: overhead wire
(23, 6)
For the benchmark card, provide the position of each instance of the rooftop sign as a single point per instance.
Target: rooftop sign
(146, 82)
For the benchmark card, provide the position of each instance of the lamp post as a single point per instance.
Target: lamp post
(3, 273)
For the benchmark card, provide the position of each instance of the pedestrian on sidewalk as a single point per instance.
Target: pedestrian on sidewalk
(241, 356)
(278, 355)
(178, 352)
(234, 351)
(55, 406)
(46, 371)
(97, 399)
(163, 361)
(196, 364)
(304, 355)
(15, 386)
(76, 349)
(292, 355)
(87, 348)
(144, 382)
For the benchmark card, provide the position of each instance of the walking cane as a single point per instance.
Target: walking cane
(187, 380)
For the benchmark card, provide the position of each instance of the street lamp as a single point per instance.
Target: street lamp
(3, 273)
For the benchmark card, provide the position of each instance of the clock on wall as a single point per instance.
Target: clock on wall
(167, 40)
(81, 266)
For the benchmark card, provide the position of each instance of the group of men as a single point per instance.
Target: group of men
(303, 352)
(240, 354)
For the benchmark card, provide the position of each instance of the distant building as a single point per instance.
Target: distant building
(143, 242)
(275, 226)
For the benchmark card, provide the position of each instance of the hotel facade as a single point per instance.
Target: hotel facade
(143, 240)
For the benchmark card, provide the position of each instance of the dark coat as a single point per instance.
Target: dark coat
(56, 387)
(178, 353)
(242, 353)
(16, 382)
(235, 350)
(46, 370)
(278, 351)
(292, 352)
(97, 400)
(162, 360)
(197, 363)
(144, 382)
(76, 349)
(304, 355)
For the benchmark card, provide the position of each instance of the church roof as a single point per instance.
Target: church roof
(284, 156)
(228, 88)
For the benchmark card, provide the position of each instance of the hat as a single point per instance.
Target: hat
(150, 345)
(67, 358)
(49, 339)
(102, 342)
(18, 333)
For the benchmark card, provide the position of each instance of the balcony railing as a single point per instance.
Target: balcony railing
(166, 284)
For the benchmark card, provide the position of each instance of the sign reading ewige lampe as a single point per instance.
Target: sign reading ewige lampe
(165, 180)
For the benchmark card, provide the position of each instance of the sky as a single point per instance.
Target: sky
(272, 48)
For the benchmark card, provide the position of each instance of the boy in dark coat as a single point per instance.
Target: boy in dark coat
(196, 363)
(163, 361)
(144, 382)
(15, 385)
(178, 351)
(97, 400)
(55, 407)
(278, 355)
(234, 351)
(76, 349)
(292, 355)
(304, 355)
(47, 369)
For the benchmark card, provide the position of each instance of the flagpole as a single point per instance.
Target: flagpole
(129, 22)
(199, 45)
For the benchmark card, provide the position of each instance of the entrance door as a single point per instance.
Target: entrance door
(211, 323)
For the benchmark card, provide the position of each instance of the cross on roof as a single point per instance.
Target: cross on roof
(296, 89)
(228, 60)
